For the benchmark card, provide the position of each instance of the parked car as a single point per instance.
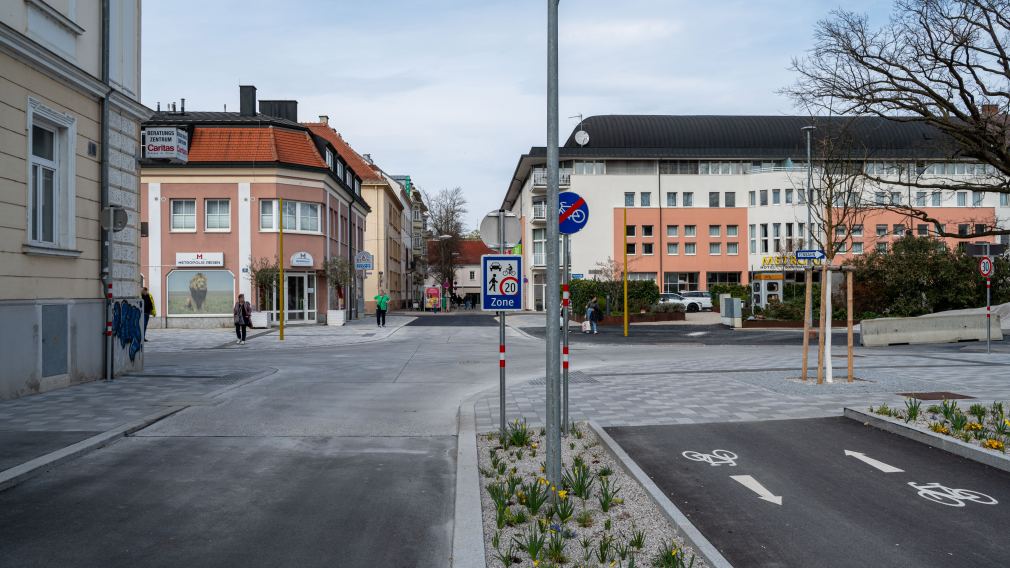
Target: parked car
(690, 304)
(704, 297)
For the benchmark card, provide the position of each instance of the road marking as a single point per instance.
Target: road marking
(951, 497)
(872, 462)
(697, 333)
(752, 484)
(717, 457)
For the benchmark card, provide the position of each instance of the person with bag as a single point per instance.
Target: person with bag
(381, 304)
(241, 314)
(593, 315)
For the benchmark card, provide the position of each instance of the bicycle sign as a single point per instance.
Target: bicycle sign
(501, 283)
(950, 496)
(573, 213)
(717, 457)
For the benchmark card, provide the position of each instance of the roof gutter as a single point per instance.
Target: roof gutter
(106, 234)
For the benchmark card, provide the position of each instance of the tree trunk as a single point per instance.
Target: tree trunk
(829, 375)
(848, 321)
(807, 308)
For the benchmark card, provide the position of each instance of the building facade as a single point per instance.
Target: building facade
(255, 189)
(467, 282)
(419, 235)
(69, 142)
(717, 199)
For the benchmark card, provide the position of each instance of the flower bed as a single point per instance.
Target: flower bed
(598, 517)
(987, 427)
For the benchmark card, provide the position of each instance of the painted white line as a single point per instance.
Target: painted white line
(950, 496)
(872, 462)
(752, 484)
(717, 457)
(697, 333)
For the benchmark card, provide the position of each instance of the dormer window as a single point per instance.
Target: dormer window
(340, 170)
(329, 158)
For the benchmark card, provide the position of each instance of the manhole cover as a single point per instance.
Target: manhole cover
(574, 378)
(939, 395)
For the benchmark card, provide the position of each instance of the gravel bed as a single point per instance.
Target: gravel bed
(636, 512)
(927, 418)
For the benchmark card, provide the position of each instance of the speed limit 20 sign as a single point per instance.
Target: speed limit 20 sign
(501, 283)
(985, 267)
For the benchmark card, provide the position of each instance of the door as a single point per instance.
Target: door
(300, 290)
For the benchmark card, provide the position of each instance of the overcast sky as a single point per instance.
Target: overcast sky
(452, 92)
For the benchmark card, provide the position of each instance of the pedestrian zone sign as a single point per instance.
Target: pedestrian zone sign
(501, 283)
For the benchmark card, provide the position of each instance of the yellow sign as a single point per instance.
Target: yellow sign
(786, 261)
(767, 276)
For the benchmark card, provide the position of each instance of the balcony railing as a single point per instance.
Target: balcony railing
(540, 178)
(539, 259)
(540, 211)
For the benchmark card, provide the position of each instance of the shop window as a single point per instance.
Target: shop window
(200, 293)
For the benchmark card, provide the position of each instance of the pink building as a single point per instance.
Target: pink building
(212, 219)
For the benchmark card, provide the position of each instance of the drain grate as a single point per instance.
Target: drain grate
(574, 378)
(938, 395)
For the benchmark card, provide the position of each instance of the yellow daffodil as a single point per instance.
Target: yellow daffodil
(533, 445)
(1006, 421)
(536, 563)
(563, 494)
(674, 552)
(542, 481)
(553, 490)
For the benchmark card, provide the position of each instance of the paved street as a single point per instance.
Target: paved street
(784, 493)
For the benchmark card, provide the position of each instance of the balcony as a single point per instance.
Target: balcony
(539, 212)
(540, 178)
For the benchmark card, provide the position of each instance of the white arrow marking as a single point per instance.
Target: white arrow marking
(870, 461)
(752, 484)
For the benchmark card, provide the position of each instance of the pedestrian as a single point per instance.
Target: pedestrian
(241, 314)
(381, 304)
(593, 314)
(149, 309)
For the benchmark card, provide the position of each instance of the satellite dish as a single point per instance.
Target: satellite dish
(582, 138)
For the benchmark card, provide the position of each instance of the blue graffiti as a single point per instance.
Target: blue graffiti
(128, 326)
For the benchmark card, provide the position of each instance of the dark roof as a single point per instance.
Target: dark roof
(218, 118)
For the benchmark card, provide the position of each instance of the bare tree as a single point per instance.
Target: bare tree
(446, 211)
(943, 64)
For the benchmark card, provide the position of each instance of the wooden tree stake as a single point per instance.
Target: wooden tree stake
(809, 280)
(848, 318)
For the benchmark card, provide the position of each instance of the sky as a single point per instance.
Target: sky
(453, 92)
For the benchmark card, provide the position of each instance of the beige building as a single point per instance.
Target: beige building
(69, 141)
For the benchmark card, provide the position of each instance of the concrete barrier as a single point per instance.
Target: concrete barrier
(932, 329)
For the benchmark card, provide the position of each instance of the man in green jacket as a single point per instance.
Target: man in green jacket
(381, 304)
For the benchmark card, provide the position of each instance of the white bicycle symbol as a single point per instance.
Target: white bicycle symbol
(578, 216)
(717, 457)
(950, 496)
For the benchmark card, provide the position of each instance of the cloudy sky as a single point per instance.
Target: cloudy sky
(453, 91)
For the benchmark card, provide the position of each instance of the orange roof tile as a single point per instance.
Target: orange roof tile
(366, 171)
(254, 144)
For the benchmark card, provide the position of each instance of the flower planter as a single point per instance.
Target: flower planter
(335, 317)
(260, 320)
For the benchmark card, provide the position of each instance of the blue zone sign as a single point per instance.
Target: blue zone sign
(501, 283)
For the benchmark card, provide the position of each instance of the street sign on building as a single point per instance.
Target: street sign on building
(166, 143)
(302, 258)
(815, 254)
(501, 283)
(573, 213)
(363, 261)
(199, 259)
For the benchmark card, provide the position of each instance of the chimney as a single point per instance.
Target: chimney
(247, 100)
(368, 158)
(287, 110)
(324, 119)
(989, 110)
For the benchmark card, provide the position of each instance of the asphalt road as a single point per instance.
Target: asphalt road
(469, 319)
(836, 510)
(700, 334)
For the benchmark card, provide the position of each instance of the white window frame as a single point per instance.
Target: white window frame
(651, 249)
(732, 249)
(64, 129)
(690, 249)
(299, 217)
(673, 230)
(672, 249)
(206, 216)
(171, 215)
(715, 230)
(717, 247)
(732, 230)
(690, 230)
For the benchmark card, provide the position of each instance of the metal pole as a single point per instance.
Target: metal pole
(810, 198)
(553, 261)
(565, 312)
(501, 333)
(625, 272)
(280, 261)
(988, 307)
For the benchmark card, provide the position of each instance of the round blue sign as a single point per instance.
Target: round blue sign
(573, 213)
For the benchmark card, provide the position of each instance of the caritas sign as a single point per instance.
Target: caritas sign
(170, 143)
(199, 259)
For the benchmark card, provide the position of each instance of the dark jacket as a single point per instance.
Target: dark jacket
(241, 313)
(148, 303)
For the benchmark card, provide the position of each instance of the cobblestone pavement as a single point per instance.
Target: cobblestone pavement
(714, 384)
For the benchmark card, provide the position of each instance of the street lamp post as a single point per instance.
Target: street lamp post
(553, 284)
(441, 259)
(810, 197)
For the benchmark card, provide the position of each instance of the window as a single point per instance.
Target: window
(962, 199)
(789, 230)
(979, 228)
(682, 167)
(1004, 200)
(676, 282)
(713, 199)
(591, 168)
(764, 237)
(629, 230)
(329, 158)
(857, 247)
(881, 247)
(672, 248)
(217, 214)
(752, 198)
(690, 248)
(715, 249)
(789, 196)
(51, 149)
(539, 247)
(977, 198)
(298, 216)
(764, 197)
(732, 248)
(801, 197)
(857, 230)
(731, 230)
(895, 197)
(922, 229)
(881, 230)
(730, 199)
(714, 230)
(642, 276)
(880, 198)
(776, 196)
(671, 199)
(183, 214)
(629, 248)
(688, 199)
(753, 238)
(646, 230)
(840, 247)
(962, 229)
(899, 229)
(646, 199)
(340, 169)
(716, 278)
(473, 275)
(776, 234)
(630, 167)
(800, 227)
(267, 215)
(690, 230)
(647, 248)
(920, 199)
(935, 196)
(839, 230)
(629, 199)
(672, 230)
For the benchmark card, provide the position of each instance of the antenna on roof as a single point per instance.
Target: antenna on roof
(581, 136)
(183, 106)
(226, 107)
(159, 106)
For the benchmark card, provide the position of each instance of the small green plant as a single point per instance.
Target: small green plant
(535, 495)
(579, 480)
(603, 548)
(637, 539)
(513, 482)
(939, 428)
(587, 549)
(966, 436)
(577, 432)
(519, 455)
(883, 410)
(607, 524)
(517, 434)
(948, 408)
(912, 407)
(978, 411)
(577, 461)
(958, 421)
(623, 549)
(607, 493)
(670, 556)
(531, 541)
(499, 493)
(563, 509)
(543, 431)
(556, 548)
(1002, 427)
(502, 468)
(584, 519)
(496, 540)
(605, 471)
(996, 412)
(507, 557)
(519, 517)
(571, 445)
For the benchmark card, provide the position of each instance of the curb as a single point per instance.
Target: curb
(27, 470)
(681, 524)
(956, 447)
(468, 524)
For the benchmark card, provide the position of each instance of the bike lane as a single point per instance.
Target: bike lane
(826, 492)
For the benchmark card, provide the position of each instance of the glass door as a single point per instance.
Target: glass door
(295, 308)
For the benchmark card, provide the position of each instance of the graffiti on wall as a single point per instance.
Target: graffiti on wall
(128, 326)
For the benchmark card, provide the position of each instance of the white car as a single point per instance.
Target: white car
(703, 297)
(690, 304)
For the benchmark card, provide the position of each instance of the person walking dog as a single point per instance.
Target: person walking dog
(149, 309)
(241, 314)
(381, 304)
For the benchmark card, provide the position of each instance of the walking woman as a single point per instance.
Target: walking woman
(242, 313)
(381, 304)
(593, 314)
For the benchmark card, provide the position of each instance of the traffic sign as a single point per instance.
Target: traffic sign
(363, 261)
(810, 255)
(489, 229)
(501, 283)
(985, 266)
(573, 213)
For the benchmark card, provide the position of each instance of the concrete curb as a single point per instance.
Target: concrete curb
(681, 524)
(947, 444)
(468, 525)
(15, 475)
